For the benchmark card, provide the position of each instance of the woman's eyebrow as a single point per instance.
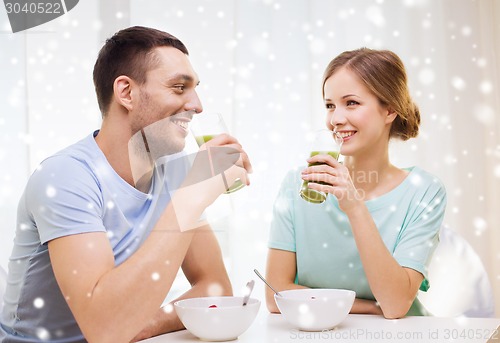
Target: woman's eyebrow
(343, 97)
(349, 95)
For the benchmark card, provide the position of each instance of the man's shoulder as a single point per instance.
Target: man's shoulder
(72, 162)
(85, 148)
(84, 151)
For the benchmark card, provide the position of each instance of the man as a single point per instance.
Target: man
(101, 233)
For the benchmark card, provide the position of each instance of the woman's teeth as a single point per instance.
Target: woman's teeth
(347, 134)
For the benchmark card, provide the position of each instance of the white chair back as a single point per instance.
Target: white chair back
(3, 284)
(459, 284)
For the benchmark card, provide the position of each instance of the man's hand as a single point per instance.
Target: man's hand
(205, 271)
(222, 155)
(217, 165)
(161, 323)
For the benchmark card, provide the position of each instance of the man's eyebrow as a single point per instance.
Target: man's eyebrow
(182, 77)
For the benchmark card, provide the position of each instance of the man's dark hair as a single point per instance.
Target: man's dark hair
(129, 52)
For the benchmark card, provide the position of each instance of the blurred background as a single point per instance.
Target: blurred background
(260, 63)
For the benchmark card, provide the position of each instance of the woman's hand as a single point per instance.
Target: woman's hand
(363, 306)
(330, 176)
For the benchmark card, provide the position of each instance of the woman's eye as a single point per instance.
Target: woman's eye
(330, 106)
(352, 102)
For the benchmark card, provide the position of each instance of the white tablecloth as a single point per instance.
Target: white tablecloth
(272, 328)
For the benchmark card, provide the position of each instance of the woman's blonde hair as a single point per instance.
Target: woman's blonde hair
(384, 74)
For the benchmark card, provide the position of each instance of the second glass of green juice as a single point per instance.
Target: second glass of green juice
(206, 126)
(325, 142)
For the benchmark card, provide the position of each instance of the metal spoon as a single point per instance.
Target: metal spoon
(268, 285)
(249, 290)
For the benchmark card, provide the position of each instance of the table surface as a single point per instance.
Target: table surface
(272, 328)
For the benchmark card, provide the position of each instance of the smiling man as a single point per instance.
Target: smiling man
(101, 234)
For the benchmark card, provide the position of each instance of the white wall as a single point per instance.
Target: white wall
(260, 63)
(47, 99)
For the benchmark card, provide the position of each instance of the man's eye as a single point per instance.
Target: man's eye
(180, 87)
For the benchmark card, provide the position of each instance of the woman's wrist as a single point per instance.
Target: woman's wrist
(363, 306)
(352, 207)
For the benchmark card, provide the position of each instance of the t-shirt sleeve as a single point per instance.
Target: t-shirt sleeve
(64, 198)
(282, 233)
(419, 237)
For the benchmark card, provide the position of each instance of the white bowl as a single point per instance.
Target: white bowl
(223, 323)
(315, 309)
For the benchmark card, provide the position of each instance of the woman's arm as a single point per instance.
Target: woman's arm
(364, 306)
(280, 273)
(281, 270)
(394, 286)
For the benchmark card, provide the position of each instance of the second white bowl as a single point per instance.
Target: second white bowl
(315, 309)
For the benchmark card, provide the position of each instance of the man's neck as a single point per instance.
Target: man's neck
(113, 140)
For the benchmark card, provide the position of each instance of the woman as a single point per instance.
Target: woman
(378, 228)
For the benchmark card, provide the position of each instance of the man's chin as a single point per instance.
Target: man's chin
(168, 151)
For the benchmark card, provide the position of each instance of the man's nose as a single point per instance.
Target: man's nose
(194, 103)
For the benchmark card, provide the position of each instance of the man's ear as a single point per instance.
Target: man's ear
(122, 91)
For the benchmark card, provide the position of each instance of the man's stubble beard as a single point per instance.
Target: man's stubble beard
(154, 139)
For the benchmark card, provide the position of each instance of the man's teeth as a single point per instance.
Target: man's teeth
(182, 124)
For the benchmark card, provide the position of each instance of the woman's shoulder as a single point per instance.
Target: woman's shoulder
(424, 181)
(419, 176)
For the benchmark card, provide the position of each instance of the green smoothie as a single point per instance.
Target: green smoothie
(312, 195)
(334, 154)
(203, 139)
(200, 140)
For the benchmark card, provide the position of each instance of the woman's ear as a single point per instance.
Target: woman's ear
(391, 115)
(122, 90)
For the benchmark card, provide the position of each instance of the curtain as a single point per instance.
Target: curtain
(260, 63)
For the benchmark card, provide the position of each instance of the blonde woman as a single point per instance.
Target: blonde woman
(376, 232)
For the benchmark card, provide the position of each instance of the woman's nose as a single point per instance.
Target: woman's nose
(337, 118)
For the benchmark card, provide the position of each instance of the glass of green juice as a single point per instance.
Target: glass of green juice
(325, 142)
(204, 127)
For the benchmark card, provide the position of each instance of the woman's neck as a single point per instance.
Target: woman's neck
(373, 175)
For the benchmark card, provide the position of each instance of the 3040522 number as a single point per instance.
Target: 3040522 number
(470, 334)
(34, 7)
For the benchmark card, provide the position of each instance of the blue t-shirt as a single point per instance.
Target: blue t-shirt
(408, 219)
(74, 191)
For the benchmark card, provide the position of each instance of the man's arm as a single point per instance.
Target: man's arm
(112, 304)
(204, 269)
